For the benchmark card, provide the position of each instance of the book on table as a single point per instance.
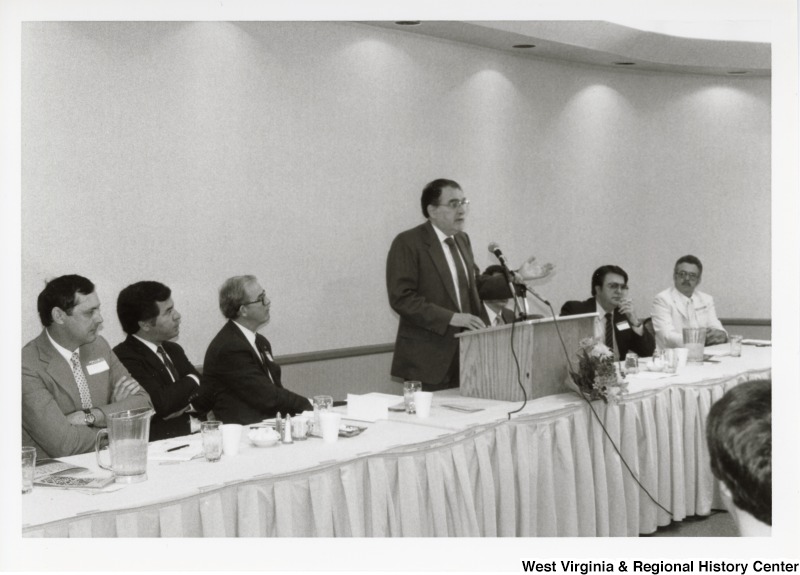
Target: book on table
(57, 473)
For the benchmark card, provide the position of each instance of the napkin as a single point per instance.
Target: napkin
(158, 451)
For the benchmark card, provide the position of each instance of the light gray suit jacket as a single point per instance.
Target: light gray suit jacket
(669, 316)
(50, 393)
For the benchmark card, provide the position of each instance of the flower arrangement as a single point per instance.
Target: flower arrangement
(597, 376)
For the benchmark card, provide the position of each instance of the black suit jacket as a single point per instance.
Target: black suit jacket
(168, 396)
(244, 392)
(627, 339)
(422, 292)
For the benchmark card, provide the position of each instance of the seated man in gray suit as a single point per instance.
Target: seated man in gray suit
(71, 380)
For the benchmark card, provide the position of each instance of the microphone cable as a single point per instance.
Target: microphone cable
(517, 316)
(596, 416)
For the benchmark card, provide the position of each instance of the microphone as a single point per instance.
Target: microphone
(494, 248)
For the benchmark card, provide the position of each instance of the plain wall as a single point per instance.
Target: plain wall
(190, 152)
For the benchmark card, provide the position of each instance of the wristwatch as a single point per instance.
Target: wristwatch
(89, 418)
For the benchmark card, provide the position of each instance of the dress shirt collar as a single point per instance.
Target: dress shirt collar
(680, 298)
(150, 345)
(490, 313)
(440, 234)
(248, 333)
(65, 353)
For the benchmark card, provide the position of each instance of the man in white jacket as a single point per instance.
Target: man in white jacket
(684, 306)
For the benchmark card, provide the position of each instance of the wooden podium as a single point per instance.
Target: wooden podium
(488, 369)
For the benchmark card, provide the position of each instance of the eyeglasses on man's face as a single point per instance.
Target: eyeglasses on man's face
(687, 275)
(262, 299)
(455, 204)
(617, 287)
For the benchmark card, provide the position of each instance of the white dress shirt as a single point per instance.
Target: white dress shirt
(451, 262)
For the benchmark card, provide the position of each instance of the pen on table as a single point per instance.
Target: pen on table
(177, 448)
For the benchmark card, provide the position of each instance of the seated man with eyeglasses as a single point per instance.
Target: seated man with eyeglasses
(239, 365)
(684, 306)
(617, 323)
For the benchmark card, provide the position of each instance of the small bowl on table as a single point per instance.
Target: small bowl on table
(263, 437)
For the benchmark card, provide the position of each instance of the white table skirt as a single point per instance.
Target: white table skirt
(548, 472)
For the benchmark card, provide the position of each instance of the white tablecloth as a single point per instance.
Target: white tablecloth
(548, 471)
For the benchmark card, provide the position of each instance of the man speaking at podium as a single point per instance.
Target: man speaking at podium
(433, 282)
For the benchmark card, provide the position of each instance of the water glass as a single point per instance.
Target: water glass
(631, 362)
(28, 468)
(671, 360)
(212, 439)
(736, 345)
(321, 403)
(299, 428)
(409, 388)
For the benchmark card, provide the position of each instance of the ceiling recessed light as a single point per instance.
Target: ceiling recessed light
(524, 46)
(624, 63)
(407, 22)
(737, 72)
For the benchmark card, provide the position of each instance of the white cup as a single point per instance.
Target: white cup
(329, 422)
(231, 438)
(422, 401)
(683, 354)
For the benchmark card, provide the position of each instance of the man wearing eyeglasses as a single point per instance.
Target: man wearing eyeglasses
(617, 323)
(239, 365)
(683, 305)
(433, 282)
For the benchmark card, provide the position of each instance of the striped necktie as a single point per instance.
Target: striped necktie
(609, 331)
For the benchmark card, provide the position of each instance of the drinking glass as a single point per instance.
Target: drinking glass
(409, 388)
(321, 403)
(212, 439)
(28, 468)
(736, 345)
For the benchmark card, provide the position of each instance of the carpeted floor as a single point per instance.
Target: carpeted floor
(718, 524)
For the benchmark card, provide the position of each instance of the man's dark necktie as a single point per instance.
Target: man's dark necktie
(463, 283)
(262, 351)
(609, 331)
(168, 362)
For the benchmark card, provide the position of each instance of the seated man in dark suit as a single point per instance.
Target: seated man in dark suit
(617, 323)
(71, 380)
(148, 315)
(495, 297)
(239, 363)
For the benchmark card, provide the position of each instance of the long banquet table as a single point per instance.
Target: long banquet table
(548, 471)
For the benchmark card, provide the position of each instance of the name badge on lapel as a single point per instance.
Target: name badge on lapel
(622, 325)
(269, 356)
(97, 366)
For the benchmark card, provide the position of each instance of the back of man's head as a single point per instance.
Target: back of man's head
(739, 435)
(137, 302)
(60, 292)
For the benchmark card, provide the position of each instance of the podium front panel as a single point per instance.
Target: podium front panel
(488, 368)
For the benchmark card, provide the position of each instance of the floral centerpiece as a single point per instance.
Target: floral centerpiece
(597, 376)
